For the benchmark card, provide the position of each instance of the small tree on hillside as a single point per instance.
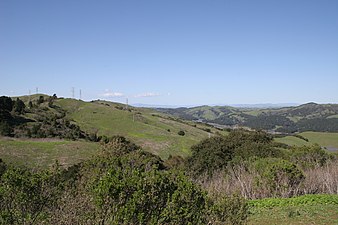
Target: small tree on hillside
(19, 106)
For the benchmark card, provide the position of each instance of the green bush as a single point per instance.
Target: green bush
(280, 176)
(309, 156)
(26, 195)
(209, 155)
(230, 210)
(181, 133)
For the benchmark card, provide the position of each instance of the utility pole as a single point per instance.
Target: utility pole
(80, 94)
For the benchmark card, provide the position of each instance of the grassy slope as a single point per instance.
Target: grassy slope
(329, 140)
(139, 125)
(42, 153)
(291, 140)
(307, 209)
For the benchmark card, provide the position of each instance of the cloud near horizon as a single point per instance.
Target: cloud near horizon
(112, 94)
(146, 95)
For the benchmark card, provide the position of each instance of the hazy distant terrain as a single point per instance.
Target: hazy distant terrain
(307, 117)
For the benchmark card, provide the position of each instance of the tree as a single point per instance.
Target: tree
(6, 103)
(41, 99)
(19, 106)
(209, 155)
(181, 132)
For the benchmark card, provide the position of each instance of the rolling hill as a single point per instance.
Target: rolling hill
(307, 117)
(67, 130)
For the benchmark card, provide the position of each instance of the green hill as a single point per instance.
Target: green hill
(150, 129)
(38, 130)
(307, 117)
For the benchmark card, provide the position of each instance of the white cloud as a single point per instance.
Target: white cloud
(112, 94)
(145, 95)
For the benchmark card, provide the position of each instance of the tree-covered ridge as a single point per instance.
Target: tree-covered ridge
(307, 117)
(38, 118)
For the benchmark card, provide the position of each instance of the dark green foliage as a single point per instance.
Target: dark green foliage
(230, 210)
(19, 106)
(268, 121)
(5, 129)
(209, 155)
(6, 103)
(133, 196)
(25, 196)
(6, 106)
(40, 100)
(215, 153)
(122, 185)
(282, 177)
(181, 133)
(309, 156)
(129, 186)
(44, 121)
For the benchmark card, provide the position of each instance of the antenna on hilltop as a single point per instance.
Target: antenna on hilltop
(127, 104)
(37, 90)
(73, 92)
(80, 94)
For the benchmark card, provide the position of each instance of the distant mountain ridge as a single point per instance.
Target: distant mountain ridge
(307, 117)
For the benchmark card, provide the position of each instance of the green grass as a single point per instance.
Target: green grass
(42, 153)
(328, 140)
(307, 209)
(322, 138)
(291, 140)
(142, 126)
(332, 117)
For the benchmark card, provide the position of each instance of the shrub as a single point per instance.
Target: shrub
(230, 210)
(283, 177)
(181, 133)
(209, 155)
(310, 156)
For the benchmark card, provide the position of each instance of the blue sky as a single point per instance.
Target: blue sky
(172, 52)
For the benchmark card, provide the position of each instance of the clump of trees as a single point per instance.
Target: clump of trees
(45, 120)
(251, 163)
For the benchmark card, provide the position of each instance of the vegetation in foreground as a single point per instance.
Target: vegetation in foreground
(220, 183)
(122, 185)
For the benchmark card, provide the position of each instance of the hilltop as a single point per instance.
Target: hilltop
(83, 124)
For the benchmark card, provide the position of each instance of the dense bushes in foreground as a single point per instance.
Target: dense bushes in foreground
(121, 185)
(125, 185)
(258, 169)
